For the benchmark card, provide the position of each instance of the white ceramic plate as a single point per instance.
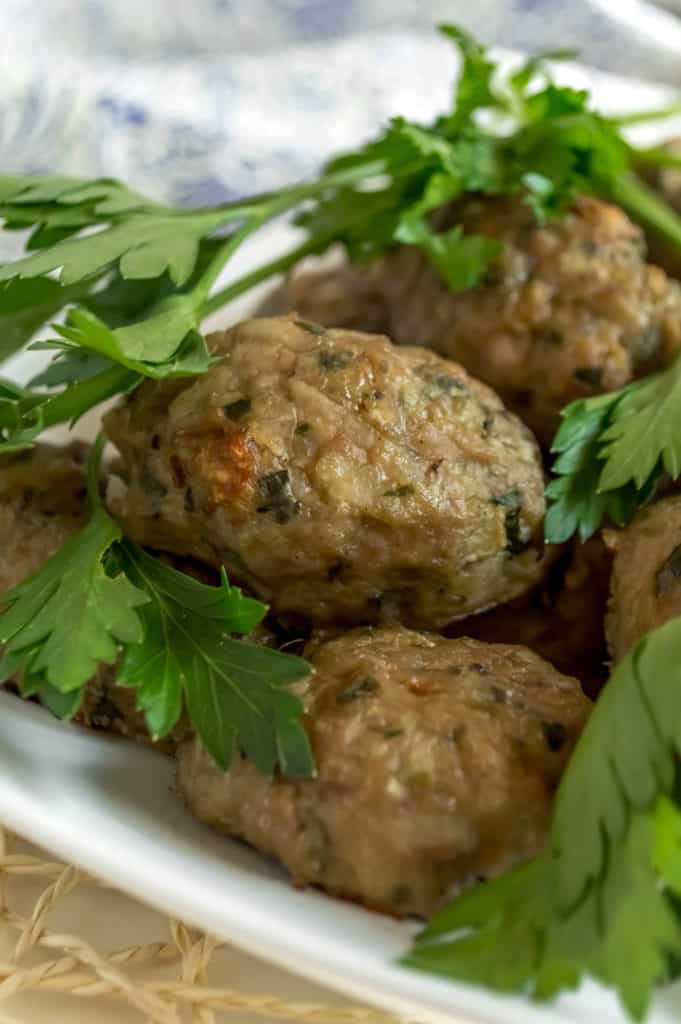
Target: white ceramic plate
(108, 806)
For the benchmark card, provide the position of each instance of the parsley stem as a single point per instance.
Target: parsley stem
(293, 194)
(75, 400)
(656, 156)
(642, 116)
(70, 404)
(222, 256)
(277, 266)
(268, 211)
(93, 463)
(644, 206)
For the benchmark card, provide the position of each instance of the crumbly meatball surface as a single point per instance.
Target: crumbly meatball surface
(341, 478)
(562, 619)
(646, 578)
(569, 310)
(436, 764)
(42, 504)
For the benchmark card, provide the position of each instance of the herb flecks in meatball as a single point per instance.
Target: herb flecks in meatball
(389, 462)
(436, 759)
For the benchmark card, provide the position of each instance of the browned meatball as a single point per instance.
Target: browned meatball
(436, 764)
(341, 478)
(562, 619)
(646, 578)
(571, 308)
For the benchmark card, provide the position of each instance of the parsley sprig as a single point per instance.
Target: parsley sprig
(612, 451)
(600, 902)
(102, 599)
(133, 278)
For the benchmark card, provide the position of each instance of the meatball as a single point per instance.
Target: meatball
(339, 477)
(569, 310)
(342, 295)
(646, 578)
(436, 764)
(42, 504)
(562, 619)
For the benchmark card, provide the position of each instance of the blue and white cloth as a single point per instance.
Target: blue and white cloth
(197, 101)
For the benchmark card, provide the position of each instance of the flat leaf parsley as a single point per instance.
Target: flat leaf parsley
(601, 901)
(101, 599)
(612, 450)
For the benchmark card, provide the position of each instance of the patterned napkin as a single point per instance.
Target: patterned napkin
(199, 101)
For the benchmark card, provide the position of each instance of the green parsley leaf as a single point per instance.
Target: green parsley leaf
(61, 705)
(25, 412)
(69, 365)
(60, 206)
(71, 615)
(24, 307)
(600, 906)
(460, 259)
(20, 417)
(119, 301)
(644, 434)
(165, 344)
(101, 599)
(234, 690)
(541, 141)
(612, 451)
(145, 246)
(474, 87)
(578, 501)
(60, 194)
(511, 938)
(148, 315)
(535, 68)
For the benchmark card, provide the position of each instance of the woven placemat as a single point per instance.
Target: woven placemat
(40, 958)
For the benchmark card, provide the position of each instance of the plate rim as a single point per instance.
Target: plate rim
(419, 997)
